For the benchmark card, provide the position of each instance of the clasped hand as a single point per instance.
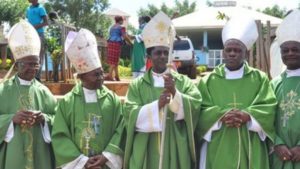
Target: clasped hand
(96, 162)
(235, 118)
(286, 154)
(28, 118)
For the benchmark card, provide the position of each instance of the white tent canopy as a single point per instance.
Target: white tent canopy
(111, 13)
(115, 12)
(206, 18)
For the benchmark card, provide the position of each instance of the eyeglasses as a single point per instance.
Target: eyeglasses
(160, 52)
(99, 75)
(30, 64)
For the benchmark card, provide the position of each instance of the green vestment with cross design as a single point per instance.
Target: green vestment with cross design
(143, 149)
(27, 149)
(236, 148)
(287, 121)
(87, 128)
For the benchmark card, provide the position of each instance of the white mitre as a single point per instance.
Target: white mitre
(23, 40)
(81, 49)
(158, 31)
(289, 29)
(242, 28)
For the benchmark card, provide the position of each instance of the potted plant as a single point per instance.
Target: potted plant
(56, 57)
(53, 43)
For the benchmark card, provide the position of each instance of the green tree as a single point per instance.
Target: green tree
(185, 7)
(275, 11)
(12, 10)
(151, 10)
(131, 29)
(83, 14)
(180, 9)
(209, 3)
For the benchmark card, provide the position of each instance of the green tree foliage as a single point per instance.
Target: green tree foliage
(83, 14)
(12, 10)
(131, 29)
(275, 11)
(180, 9)
(209, 3)
(185, 7)
(222, 16)
(151, 10)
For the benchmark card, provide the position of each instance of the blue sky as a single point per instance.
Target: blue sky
(131, 6)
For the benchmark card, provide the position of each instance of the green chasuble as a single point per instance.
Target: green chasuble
(236, 148)
(287, 122)
(142, 149)
(27, 149)
(87, 128)
(138, 55)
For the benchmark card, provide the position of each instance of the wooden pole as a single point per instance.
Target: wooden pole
(46, 63)
(251, 59)
(267, 48)
(262, 52)
(260, 49)
(63, 34)
(257, 52)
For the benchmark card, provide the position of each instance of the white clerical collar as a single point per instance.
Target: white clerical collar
(292, 73)
(159, 74)
(90, 96)
(24, 82)
(235, 74)
(158, 80)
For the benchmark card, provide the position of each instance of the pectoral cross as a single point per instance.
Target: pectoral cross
(284, 119)
(234, 103)
(96, 123)
(87, 134)
(26, 102)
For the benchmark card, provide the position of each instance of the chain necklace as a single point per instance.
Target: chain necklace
(92, 130)
(26, 103)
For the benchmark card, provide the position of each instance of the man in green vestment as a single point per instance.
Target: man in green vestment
(26, 107)
(238, 106)
(286, 86)
(143, 110)
(139, 50)
(85, 130)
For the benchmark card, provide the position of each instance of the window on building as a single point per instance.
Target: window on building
(215, 58)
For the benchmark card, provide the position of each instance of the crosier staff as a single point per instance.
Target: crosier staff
(165, 110)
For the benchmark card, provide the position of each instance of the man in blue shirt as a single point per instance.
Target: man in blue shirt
(37, 16)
